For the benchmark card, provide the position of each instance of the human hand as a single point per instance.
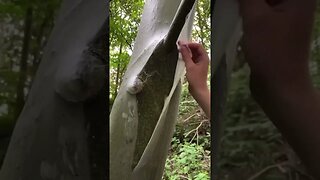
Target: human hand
(197, 61)
(277, 41)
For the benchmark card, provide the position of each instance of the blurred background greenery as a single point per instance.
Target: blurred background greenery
(25, 26)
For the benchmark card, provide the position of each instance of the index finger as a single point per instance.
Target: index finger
(197, 47)
(186, 54)
(198, 51)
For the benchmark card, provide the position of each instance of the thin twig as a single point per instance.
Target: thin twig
(197, 132)
(188, 118)
(279, 165)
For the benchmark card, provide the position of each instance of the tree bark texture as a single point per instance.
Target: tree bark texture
(62, 130)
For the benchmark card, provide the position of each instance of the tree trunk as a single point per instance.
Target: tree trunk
(62, 130)
(144, 113)
(226, 31)
(24, 62)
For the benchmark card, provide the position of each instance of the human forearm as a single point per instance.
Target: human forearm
(294, 107)
(197, 62)
(203, 99)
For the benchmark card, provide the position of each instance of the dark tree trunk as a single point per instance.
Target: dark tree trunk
(62, 130)
(24, 62)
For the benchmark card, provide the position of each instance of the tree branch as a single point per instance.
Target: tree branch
(178, 23)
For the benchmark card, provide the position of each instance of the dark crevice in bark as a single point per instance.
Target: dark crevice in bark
(96, 116)
(96, 113)
(219, 98)
(157, 75)
(178, 23)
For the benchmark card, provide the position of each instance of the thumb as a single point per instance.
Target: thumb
(186, 54)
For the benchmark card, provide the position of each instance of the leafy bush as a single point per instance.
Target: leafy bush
(187, 161)
(189, 156)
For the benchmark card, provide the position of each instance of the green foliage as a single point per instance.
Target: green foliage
(187, 161)
(16, 8)
(201, 31)
(10, 8)
(124, 22)
(189, 156)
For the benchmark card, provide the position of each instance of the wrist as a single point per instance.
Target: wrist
(199, 91)
(202, 96)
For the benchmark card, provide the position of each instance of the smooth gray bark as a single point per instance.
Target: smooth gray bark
(62, 130)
